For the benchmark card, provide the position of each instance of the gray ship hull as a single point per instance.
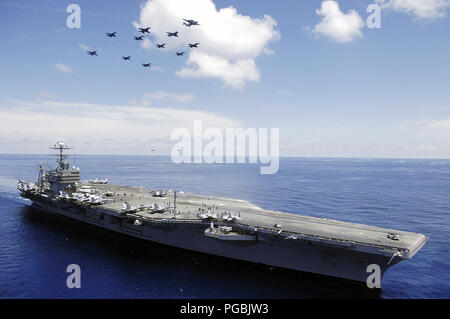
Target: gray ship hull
(301, 255)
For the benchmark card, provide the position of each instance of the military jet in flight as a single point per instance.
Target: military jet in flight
(160, 46)
(190, 23)
(144, 30)
(172, 34)
(180, 53)
(92, 53)
(111, 35)
(139, 38)
(193, 45)
(126, 58)
(146, 65)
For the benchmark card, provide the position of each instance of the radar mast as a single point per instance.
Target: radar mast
(62, 178)
(61, 147)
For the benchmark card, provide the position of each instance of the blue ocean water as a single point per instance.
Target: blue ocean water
(410, 195)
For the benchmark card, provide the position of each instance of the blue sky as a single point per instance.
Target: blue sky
(383, 94)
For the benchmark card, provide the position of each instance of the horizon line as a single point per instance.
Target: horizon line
(286, 156)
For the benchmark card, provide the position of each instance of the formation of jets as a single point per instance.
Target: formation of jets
(186, 22)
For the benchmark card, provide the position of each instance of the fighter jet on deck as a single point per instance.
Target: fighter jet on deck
(126, 58)
(160, 46)
(194, 45)
(180, 53)
(92, 53)
(111, 35)
(144, 30)
(190, 23)
(172, 34)
(146, 65)
(139, 38)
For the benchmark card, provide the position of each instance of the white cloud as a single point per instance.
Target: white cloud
(147, 43)
(148, 97)
(159, 95)
(285, 93)
(429, 131)
(234, 74)
(44, 95)
(63, 68)
(442, 124)
(229, 41)
(337, 25)
(132, 129)
(423, 9)
(425, 148)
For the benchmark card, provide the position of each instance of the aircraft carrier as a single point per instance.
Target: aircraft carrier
(225, 227)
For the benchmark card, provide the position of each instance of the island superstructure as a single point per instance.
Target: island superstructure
(225, 227)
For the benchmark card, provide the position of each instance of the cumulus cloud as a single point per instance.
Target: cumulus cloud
(423, 9)
(337, 25)
(229, 41)
(129, 129)
(63, 68)
(234, 74)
